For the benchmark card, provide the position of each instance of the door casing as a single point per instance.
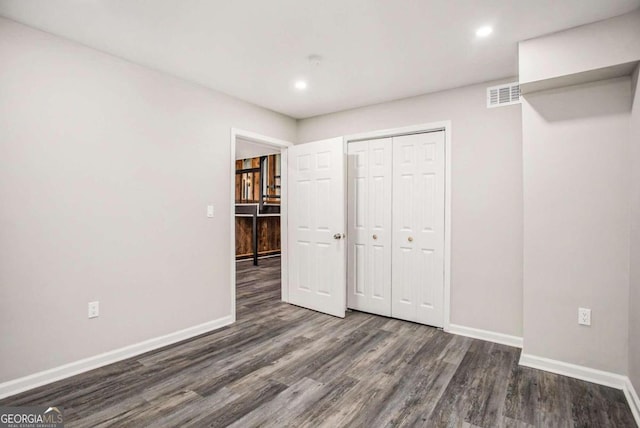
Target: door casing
(279, 145)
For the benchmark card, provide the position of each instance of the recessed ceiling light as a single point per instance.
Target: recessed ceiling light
(301, 85)
(484, 31)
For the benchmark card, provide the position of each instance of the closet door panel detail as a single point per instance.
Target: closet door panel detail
(418, 228)
(369, 226)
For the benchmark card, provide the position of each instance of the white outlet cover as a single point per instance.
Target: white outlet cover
(584, 316)
(94, 309)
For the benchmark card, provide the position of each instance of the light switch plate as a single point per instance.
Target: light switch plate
(210, 211)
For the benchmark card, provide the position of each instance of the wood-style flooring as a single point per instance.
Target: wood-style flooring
(281, 365)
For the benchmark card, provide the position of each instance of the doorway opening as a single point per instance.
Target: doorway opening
(258, 230)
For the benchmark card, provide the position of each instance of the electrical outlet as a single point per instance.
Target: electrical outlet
(584, 316)
(94, 309)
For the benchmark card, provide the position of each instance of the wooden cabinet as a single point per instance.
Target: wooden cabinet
(257, 195)
(268, 236)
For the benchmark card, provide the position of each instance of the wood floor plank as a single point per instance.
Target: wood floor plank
(245, 404)
(418, 388)
(287, 405)
(143, 413)
(281, 365)
(213, 383)
(353, 404)
(331, 394)
(191, 413)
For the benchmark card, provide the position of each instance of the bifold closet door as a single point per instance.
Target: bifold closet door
(369, 226)
(418, 228)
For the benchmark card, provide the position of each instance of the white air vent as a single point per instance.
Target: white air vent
(503, 95)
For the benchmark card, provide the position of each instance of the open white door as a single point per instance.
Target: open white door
(316, 225)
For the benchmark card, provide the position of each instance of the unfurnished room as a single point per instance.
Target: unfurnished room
(353, 213)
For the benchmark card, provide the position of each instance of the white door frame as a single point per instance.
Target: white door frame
(282, 146)
(415, 129)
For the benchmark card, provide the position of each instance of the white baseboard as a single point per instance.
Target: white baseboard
(489, 336)
(25, 383)
(588, 374)
(632, 399)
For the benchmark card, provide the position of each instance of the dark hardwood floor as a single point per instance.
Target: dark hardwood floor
(280, 365)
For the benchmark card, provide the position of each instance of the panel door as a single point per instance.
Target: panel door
(369, 226)
(316, 226)
(418, 228)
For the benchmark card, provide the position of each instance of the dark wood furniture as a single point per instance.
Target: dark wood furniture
(257, 189)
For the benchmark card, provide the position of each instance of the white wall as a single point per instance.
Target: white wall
(634, 295)
(576, 223)
(486, 290)
(586, 48)
(577, 191)
(105, 172)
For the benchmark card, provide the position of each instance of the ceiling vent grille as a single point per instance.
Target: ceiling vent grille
(503, 95)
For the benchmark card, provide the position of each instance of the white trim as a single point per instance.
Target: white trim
(345, 214)
(282, 146)
(232, 227)
(25, 383)
(632, 399)
(445, 126)
(394, 132)
(489, 336)
(588, 374)
(447, 224)
(260, 139)
(284, 225)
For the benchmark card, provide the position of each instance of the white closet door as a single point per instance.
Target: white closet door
(418, 228)
(369, 226)
(317, 262)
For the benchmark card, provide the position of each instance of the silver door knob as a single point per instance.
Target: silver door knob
(337, 236)
(375, 236)
(410, 239)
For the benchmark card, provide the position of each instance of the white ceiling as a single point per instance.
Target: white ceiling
(373, 50)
